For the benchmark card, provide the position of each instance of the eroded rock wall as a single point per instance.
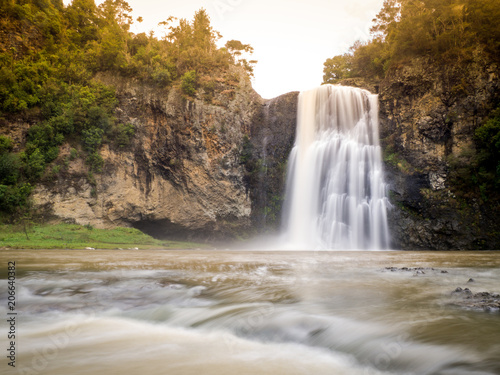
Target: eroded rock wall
(272, 137)
(428, 116)
(180, 177)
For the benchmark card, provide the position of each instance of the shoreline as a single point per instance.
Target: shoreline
(84, 237)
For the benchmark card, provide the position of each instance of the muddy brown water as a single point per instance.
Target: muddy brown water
(249, 312)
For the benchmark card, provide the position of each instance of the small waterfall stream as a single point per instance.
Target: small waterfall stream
(336, 195)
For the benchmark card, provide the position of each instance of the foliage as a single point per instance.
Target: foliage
(477, 169)
(14, 197)
(188, 83)
(445, 31)
(5, 144)
(487, 138)
(237, 49)
(124, 134)
(337, 68)
(9, 168)
(13, 191)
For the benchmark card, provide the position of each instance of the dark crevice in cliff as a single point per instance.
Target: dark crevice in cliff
(271, 140)
(166, 230)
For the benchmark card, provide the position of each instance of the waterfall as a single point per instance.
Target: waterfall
(336, 195)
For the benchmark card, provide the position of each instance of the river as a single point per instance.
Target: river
(250, 312)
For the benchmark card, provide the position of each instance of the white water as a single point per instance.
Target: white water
(335, 190)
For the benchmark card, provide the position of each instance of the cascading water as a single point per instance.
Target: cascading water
(335, 190)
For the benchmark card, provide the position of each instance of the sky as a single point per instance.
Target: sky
(291, 38)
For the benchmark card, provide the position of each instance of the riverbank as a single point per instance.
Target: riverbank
(72, 236)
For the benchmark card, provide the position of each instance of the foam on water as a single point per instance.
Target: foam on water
(121, 346)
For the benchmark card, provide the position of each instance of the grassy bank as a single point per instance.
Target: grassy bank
(70, 236)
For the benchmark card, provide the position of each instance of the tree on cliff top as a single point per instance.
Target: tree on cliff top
(444, 31)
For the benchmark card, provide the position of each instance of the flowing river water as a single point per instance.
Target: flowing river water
(250, 312)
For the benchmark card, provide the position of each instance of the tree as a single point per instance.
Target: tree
(236, 49)
(482, 17)
(83, 21)
(337, 68)
(385, 20)
(203, 34)
(116, 12)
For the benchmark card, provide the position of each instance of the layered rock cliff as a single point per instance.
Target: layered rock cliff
(428, 115)
(181, 176)
(271, 139)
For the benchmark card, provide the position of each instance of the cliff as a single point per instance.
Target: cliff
(269, 144)
(428, 115)
(180, 177)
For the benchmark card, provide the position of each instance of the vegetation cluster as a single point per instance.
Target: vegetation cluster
(444, 31)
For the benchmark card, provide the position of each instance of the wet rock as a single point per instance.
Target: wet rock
(437, 180)
(416, 270)
(464, 292)
(471, 280)
(481, 301)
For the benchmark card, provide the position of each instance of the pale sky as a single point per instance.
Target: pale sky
(291, 38)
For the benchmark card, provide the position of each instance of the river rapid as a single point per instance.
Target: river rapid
(250, 312)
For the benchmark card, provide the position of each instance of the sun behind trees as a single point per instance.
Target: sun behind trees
(49, 56)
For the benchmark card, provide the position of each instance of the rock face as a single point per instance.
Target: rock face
(181, 177)
(272, 136)
(428, 116)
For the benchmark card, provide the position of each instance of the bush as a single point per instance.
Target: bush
(5, 144)
(92, 138)
(95, 162)
(73, 154)
(34, 165)
(14, 197)
(188, 83)
(9, 169)
(124, 134)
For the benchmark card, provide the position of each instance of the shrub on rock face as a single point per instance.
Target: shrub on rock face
(487, 139)
(188, 83)
(5, 144)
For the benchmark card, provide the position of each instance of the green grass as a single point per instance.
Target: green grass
(71, 236)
